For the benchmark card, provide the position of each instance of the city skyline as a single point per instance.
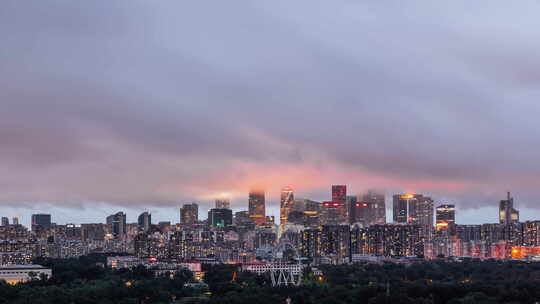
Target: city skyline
(184, 116)
(203, 208)
(269, 151)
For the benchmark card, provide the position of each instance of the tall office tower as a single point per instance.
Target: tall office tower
(507, 213)
(220, 217)
(421, 211)
(413, 209)
(446, 217)
(356, 215)
(189, 214)
(145, 221)
(15, 220)
(400, 207)
(118, 223)
(312, 212)
(40, 222)
(287, 204)
(377, 204)
(339, 211)
(361, 213)
(223, 203)
(5, 221)
(257, 208)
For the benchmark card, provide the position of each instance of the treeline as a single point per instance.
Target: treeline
(440, 282)
(83, 281)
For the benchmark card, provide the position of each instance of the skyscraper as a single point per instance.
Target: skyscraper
(220, 217)
(189, 214)
(5, 221)
(287, 204)
(413, 209)
(223, 203)
(421, 211)
(377, 204)
(507, 213)
(400, 207)
(41, 221)
(145, 221)
(118, 223)
(312, 213)
(446, 217)
(336, 211)
(15, 220)
(360, 211)
(257, 207)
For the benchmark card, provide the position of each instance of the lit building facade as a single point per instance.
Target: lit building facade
(414, 209)
(445, 217)
(286, 204)
(390, 240)
(257, 206)
(14, 274)
(507, 213)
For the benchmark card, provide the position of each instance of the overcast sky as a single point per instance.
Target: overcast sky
(149, 104)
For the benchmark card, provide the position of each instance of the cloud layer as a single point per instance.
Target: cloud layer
(144, 102)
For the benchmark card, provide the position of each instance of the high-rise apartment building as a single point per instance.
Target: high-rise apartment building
(223, 203)
(189, 214)
(257, 206)
(335, 242)
(40, 222)
(145, 221)
(286, 205)
(118, 223)
(389, 240)
(5, 221)
(507, 213)
(446, 217)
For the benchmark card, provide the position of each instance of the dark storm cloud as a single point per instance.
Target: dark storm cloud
(133, 101)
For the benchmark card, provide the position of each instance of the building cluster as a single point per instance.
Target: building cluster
(342, 229)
